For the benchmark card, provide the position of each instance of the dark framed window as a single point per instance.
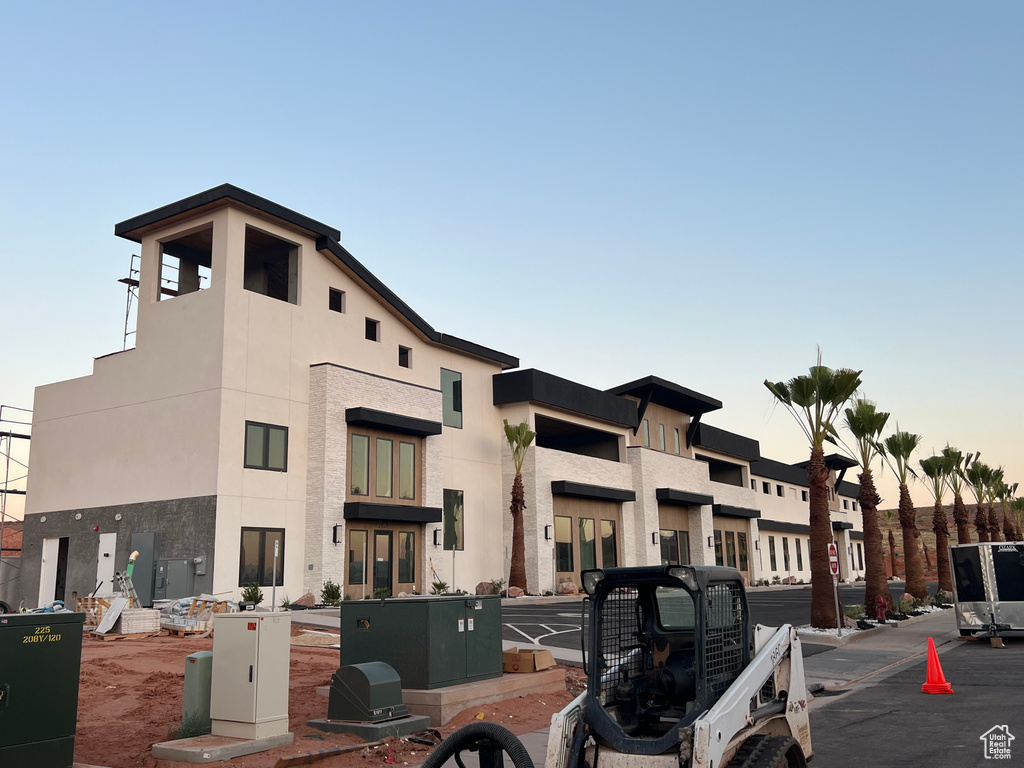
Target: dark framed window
(336, 300)
(860, 558)
(256, 561)
(406, 557)
(609, 548)
(741, 548)
(360, 460)
(406, 470)
(766, 487)
(266, 446)
(454, 509)
(404, 357)
(385, 458)
(563, 544)
(799, 555)
(677, 439)
(753, 485)
(730, 549)
(846, 504)
(372, 329)
(719, 558)
(785, 553)
(588, 547)
(661, 436)
(803, 495)
(451, 398)
(647, 434)
(357, 557)
(771, 553)
(780, 490)
(854, 505)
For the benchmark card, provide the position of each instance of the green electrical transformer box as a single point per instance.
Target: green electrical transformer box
(431, 642)
(40, 659)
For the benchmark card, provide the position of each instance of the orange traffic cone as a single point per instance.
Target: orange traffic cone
(936, 682)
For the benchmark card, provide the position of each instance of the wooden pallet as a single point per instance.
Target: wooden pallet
(137, 636)
(186, 631)
(215, 606)
(93, 608)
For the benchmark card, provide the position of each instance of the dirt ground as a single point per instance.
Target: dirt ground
(130, 697)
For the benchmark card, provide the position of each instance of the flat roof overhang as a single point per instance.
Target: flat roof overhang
(533, 386)
(391, 513)
(595, 492)
(392, 422)
(669, 395)
(682, 498)
(724, 510)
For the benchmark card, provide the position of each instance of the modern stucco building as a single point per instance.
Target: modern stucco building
(279, 395)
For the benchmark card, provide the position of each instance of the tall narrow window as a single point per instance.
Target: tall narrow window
(360, 461)
(803, 495)
(676, 430)
(406, 557)
(771, 553)
(266, 446)
(384, 458)
(453, 520)
(646, 428)
(563, 544)
(799, 555)
(780, 490)
(406, 470)
(609, 550)
(719, 559)
(730, 549)
(588, 547)
(356, 557)
(860, 558)
(451, 398)
(741, 547)
(785, 553)
(766, 487)
(661, 436)
(669, 548)
(684, 547)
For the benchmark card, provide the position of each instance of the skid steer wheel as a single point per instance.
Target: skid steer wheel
(490, 739)
(769, 752)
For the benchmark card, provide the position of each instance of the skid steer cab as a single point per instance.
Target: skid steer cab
(676, 678)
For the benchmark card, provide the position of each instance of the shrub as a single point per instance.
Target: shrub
(286, 604)
(943, 597)
(251, 593)
(439, 588)
(331, 593)
(497, 586)
(776, 579)
(192, 724)
(855, 611)
(381, 593)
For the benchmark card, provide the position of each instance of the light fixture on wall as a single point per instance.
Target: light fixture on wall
(337, 534)
(757, 543)
(711, 541)
(547, 533)
(654, 537)
(437, 537)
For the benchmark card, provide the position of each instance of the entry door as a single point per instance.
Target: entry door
(105, 564)
(53, 570)
(382, 559)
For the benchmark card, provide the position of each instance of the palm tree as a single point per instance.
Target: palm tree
(815, 401)
(938, 469)
(898, 448)
(956, 484)
(978, 476)
(892, 517)
(1005, 494)
(1017, 513)
(991, 491)
(866, 424)
(519, 439)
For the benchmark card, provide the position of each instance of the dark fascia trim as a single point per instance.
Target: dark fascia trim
(834, 461)
(392, 422)
(723, 510)
(840, 525)
(584, 491)
(668, 394)
(129, 228)
(848, 489)
(780, 527)
(533, 386)
(723, 441)
(857, 535)
(682, 498)
(776, 470)
(339, 252)
(392, 513)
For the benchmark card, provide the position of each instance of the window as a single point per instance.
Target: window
(336, 300)
(453, 520)
(360, 460)
(719, 560)
(256, 564)
(357, 557)
(766, 487)
(803, 495)
(669, 548)
(266, 446)
(647, 434)
(406, 470)
(271, 266)
(730, 549)
(661, 435)
(406, 557)
(404, 357)
(771, 552)
(741, 546)
(854, 505)
(451, 398)
(860, 558)
(785, 553)
(563, 544)
(846, 504)
(799, 555)
(753, 485)
(588, 548)
(609, 549)
(372, 329)
(185, 264)
(780, 490)
(385, 449)
(676, 430)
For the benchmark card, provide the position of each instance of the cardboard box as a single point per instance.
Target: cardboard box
(514, 660)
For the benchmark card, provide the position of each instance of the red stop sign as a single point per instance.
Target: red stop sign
(833, 559)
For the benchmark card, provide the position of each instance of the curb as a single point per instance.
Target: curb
(860, 634)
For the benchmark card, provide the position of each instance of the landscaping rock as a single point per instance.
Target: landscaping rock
(849, 623)
(789, 580)
(485, 588)
(515, 592)
(404, 594)
(568, 588)
(307, 600)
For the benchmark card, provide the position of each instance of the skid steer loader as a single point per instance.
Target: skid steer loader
(676, 678)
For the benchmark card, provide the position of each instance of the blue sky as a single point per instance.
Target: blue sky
(705, 193)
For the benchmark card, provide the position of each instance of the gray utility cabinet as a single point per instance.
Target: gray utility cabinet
(174, 579)
(251, 653)
(432, 642)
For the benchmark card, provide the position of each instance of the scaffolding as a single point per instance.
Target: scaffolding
(12, 427)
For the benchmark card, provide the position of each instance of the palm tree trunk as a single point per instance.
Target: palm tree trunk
(962, 519)
(1008, 531)
(892, 553)
(517, 571)
(993, 523)
(823, 607)
(875, 583)
(941, 547)
(911, 550)
(927, 560)
(981, 523)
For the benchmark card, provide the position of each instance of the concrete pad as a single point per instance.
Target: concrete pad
(389, 729)
(210, 749)
(442, 704)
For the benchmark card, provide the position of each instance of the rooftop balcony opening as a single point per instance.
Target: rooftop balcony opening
(574, 438)
(723, 471)
(271, 266)
(185, 263)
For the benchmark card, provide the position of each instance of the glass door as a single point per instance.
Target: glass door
(382, 560)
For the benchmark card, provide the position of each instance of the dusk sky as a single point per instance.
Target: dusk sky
(606, 190)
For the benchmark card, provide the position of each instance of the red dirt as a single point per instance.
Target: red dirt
(130, 697)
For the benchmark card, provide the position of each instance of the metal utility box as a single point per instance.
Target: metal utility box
(251, 653)
(174, 579)
(366, 693)
(40, 659)
(198, 685)
(988, 587)
(432, 642)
